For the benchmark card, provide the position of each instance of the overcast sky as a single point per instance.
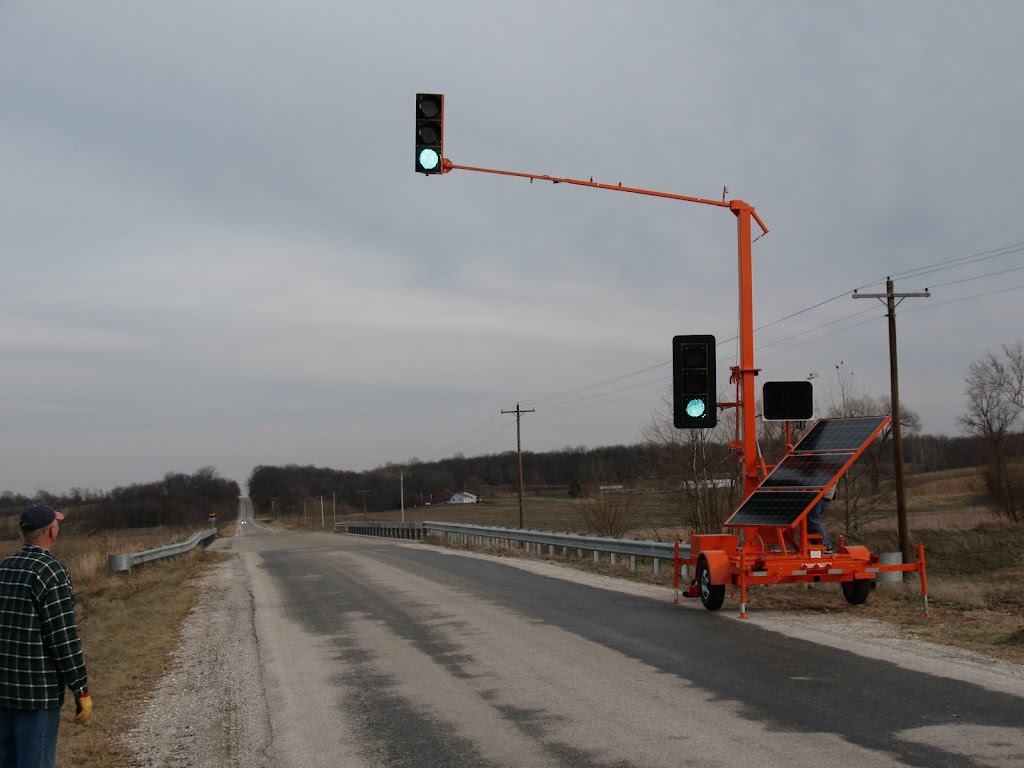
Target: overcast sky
(214, 249)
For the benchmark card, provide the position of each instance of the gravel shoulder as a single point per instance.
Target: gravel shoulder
(208, 711)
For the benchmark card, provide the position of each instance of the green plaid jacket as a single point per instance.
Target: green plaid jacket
(40, 651)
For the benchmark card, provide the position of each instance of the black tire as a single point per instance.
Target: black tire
(856, 592)
(712, 595)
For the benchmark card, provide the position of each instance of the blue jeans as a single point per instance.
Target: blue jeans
(813, 525)
(28, 737)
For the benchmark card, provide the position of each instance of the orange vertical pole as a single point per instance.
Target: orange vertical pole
(747, 407)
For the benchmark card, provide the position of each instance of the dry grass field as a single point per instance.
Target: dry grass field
(130, 622)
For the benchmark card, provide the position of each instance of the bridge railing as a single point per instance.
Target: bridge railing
(538, 542)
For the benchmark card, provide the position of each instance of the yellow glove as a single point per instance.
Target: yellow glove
(83, 709)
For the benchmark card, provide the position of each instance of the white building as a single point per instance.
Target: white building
(463, 498)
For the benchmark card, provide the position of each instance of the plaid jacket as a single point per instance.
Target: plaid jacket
(40, 651)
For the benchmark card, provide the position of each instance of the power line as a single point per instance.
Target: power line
(960, 261)
(976, 277)
(565, 397)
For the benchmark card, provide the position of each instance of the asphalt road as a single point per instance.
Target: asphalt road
(382, 653)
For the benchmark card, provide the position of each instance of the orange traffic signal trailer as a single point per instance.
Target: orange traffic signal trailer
(772, 544)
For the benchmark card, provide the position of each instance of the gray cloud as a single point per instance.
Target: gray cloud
(215, 250)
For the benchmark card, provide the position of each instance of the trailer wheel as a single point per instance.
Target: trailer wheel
(856, 592)
(712, 595)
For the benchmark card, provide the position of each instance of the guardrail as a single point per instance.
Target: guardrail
(532, 541)
(119, 563)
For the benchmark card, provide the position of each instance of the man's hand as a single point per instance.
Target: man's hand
(83, 709)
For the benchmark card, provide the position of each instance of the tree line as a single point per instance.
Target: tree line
(283, 489)
(176, 499)
(696, 469)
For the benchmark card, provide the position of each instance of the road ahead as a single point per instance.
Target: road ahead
(381, 653)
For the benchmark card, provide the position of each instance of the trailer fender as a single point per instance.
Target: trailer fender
(857, 551)
(718, 565)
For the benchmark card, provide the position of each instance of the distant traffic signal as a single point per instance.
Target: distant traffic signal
(694, 401)
(429, 132)
(787, 401)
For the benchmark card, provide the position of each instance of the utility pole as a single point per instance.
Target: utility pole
(401, 491)
(890, 297)
(519, 450)
(364, 499)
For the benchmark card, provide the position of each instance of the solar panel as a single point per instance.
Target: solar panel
(806, 470)
(777, 508)
(840, 434)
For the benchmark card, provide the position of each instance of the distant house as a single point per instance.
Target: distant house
(463, 498)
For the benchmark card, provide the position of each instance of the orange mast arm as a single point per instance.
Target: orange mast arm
(745, 370)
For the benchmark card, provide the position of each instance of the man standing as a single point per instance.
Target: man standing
(40, 651)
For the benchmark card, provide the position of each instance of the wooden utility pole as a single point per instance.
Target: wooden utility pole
(364, 499)
(519, 450)
(890, 297)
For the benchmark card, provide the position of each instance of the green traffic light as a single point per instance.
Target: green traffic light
(696, 408)
(429, 159)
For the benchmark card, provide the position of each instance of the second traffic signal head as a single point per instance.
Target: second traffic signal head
(429, 132)
(694, 401)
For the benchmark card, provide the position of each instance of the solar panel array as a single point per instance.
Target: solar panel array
(840, 434)
(782, 508)
(798, 481)
(806, 470)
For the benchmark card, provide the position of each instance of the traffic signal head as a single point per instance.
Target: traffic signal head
(694, 401)
(787, 401)
(429, 132)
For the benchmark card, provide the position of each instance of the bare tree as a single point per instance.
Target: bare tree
(701, 472)
(859, 497)
(604, 509)
(993, 388)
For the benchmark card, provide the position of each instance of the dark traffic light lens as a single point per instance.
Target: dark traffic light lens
(428, 133)
(429, 107)
(695, 356)
(695, 382)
